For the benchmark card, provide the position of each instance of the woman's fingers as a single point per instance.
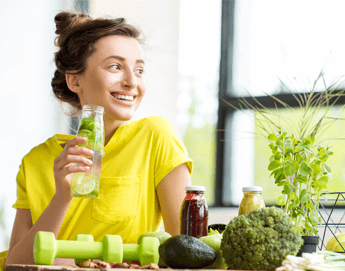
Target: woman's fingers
(72, 154)
(75, 141)
(73, 168)
(69, 159)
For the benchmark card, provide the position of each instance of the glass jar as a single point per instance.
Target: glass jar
(251, 200)
(86, 184)
(194, 212)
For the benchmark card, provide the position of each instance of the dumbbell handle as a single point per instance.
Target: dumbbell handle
(131, 252)
(79, 249)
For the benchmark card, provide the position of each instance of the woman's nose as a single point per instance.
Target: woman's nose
(129, 79)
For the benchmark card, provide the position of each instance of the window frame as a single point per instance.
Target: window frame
(224, 97)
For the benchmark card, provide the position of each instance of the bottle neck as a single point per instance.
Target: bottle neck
(195, 192)
(91, 114)
(252, 192)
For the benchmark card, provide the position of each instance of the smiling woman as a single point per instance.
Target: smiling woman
(145, 167)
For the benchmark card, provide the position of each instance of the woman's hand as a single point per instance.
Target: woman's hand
(70, 161)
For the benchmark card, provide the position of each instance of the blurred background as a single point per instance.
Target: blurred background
(197, 53)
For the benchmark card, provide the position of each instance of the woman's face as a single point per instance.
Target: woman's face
(114, 77)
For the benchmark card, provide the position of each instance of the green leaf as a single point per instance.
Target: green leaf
(327, 167)
(306, 141)
(322, 152)
(280, 183)
(299, 147)
(277, 172)
(272, 158)
(278, 156)
(303, 192)
(329, 177)
(299, 158)
(273, 148)
(324, 158)
(288, 169)
(313, 219)
(323, 179)
(319, 185)
(274, 164)
(305, 197)
(293, 197)
(310, 150)
(288, 145)
(288, 189)
(281, 201)
(301, 179)
(316, 167)
(305, 169)
(273, 137)
(280, 178)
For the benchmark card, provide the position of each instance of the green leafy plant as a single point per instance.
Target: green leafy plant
(298, 160)
(303, 173)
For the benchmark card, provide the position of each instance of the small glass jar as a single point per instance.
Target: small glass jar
(251, 200)
(86, 184)
(194, 212)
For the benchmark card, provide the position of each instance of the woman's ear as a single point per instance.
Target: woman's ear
(72, 80)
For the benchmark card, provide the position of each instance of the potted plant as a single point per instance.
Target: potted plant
(301, 169)
(298, 162)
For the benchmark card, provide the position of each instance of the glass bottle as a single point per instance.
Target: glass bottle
(251, 200)
(194, 212)
(86, 184)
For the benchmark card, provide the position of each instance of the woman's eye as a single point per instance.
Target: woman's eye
(139, 71)
(115, 66)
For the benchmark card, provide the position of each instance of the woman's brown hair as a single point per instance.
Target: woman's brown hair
(77, 35)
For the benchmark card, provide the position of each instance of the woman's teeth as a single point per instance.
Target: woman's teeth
(124, 97)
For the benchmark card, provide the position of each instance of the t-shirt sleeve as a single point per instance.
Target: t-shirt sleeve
(171, 153)
(22, 198)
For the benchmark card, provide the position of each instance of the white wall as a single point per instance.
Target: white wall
(159, 21)
(29, 113)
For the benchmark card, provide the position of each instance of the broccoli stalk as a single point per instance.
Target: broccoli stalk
(260, 240)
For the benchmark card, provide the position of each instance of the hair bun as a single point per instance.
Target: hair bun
(65, 21)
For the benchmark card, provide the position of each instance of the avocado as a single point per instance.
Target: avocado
(162, 236)
(183, 251)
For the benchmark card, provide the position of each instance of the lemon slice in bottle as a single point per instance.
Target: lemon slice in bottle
(85, 186)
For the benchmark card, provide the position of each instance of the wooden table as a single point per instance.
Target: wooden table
(21, 267)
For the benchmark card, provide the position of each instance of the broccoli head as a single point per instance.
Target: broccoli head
(260, 240)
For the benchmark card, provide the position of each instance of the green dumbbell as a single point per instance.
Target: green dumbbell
(111, 249)
(146, 252)
(85, 238)
(46, 249)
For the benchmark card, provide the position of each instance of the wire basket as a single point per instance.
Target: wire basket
(332, 213)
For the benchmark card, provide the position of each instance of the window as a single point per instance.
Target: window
(199, 52)
(264, 45)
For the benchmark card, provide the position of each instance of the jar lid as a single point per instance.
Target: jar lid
(252, 188)
(195, 188)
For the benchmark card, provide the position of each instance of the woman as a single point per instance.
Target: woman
(145, 167)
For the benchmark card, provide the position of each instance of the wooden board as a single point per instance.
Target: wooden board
(21, 267)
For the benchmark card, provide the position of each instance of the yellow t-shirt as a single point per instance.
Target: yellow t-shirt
(138, 156)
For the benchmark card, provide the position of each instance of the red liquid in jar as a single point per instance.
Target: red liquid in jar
(194, 214)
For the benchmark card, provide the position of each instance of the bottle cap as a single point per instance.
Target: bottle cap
(195, 188)
(252, 188)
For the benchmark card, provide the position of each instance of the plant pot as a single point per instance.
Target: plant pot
(309, 245)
